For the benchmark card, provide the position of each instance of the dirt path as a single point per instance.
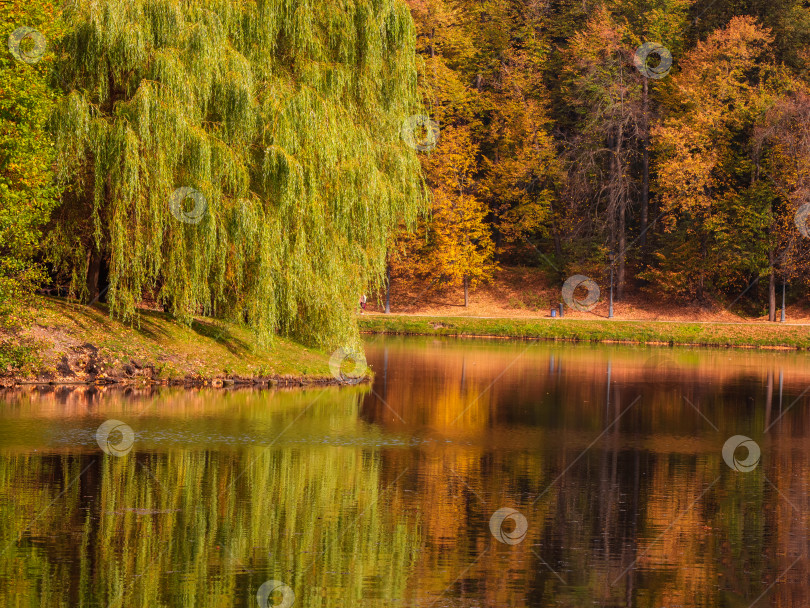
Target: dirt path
(756, 323)
(524, 293)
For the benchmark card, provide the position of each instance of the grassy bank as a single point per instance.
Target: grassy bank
(73, 343)
(741, 335)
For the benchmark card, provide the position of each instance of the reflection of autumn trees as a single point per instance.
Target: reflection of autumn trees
(468, 387)
(399, 396)
(788, 515)
(649, 516)
(614, 510)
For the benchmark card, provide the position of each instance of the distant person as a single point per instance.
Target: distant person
(363, 301)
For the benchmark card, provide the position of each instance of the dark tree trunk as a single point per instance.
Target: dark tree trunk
(93, 274)
(704, 252)
(645, 165)
(555, 233)
(618, 206)
(466, 292)
(612, 204)
(622, 256)
(771, 289)
(388, 289)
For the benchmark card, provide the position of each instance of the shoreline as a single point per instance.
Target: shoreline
(782, 337)
(274, 382)
(76, 345)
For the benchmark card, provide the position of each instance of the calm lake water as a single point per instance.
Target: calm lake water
(472, 473)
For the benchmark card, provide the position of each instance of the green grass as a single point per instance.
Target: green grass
(208, 348)
(636, 332)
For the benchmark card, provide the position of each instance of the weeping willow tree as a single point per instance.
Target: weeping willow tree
(282, 118)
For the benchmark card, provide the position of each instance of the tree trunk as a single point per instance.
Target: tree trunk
(645, 165)
(555, 233)
(612, 204)
(93, 274)
(771, 289)
(704, 252)
(622, 256)
(388, 289)
(619, 207)
(466, 292)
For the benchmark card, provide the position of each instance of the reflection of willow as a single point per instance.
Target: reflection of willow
(206, 418)
(193, 527)
(70, 401)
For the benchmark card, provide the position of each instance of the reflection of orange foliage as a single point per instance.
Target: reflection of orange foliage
(790, 519)
(677, 535)
(540, 407)
(454, 485)
(442, 477)
(462, 387)
(461, 405)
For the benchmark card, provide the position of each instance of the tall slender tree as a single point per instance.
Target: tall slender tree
(606, 91)
(782, 162)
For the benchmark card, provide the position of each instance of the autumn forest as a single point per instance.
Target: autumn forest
(569, 142)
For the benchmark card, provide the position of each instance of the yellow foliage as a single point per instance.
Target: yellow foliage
(454, 243)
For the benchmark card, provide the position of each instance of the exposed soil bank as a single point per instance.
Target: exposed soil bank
(74, 344)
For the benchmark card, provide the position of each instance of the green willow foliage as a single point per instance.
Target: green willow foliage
(284, 114)
(27, 190)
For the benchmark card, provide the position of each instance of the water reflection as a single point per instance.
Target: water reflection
(614, 457)
(221, 492)
(384, 495)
